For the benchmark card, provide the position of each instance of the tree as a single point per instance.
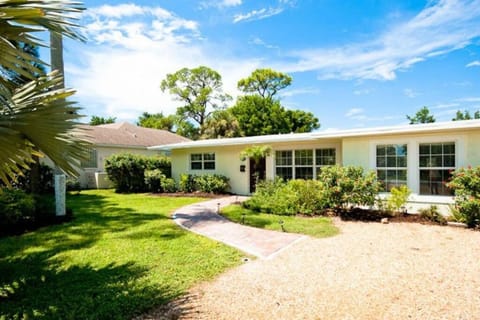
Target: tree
(35, 115)
(256, 153)
(465, 115)
(264, 82)
(157, 121)
(96, 120)
(200, 89)
(261, 116)
(422, 116)
(221, 124)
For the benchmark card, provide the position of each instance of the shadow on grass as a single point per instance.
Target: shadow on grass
(33, 290)
(35, 284)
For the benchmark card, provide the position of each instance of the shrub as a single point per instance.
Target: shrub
(127, 171)
(305, 196)
(398, 197)
(45, 180)
(153, 179)
(348, 186)
(16, 209)
(168, 185)
(466, 184)
(211, 183)
(432, 214)
(186, 183)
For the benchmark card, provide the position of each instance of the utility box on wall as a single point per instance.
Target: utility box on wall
(102, 181)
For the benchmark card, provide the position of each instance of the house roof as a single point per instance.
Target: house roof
(126, 134)
(331, 134)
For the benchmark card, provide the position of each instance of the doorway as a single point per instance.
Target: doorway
(257, 173)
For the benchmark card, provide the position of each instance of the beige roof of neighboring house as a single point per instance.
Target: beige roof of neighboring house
(127, 134)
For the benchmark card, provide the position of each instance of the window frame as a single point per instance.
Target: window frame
(92, 159)
(296, 163)
(390, 167)
(436, 185)
(203, 161)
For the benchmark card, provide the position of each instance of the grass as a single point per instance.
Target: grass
(318, 227)
(121, 256)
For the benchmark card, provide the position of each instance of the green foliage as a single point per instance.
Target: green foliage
(261, 116)
(16, 207)
(121, 256)
(221, 124)
(465, 115)
(44, 184)
(168, 185)
(264, 82)
(186, 183)
(96, 120)
(398, 197)
(127, 171)
(153, 180)
(432, 214)
(256, 152)
(422, 116)
(466, 184)
(212, 183)
(200, 89)
(208, 183)
(318, 227)
(157, 121)
(348, 186)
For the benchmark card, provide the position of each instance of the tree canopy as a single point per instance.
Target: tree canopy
(200, 91)
(422, 116)
(264, 82)
(96, 120)
(35, 115)
(465, 115)
(221, 124)
(157, 121)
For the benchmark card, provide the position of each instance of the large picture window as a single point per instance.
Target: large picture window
(302, 164)
(436, 162)
(391, 163)
(91, 162)
(202, 161)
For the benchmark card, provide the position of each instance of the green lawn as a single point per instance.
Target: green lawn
(120, 256)
(313, 226)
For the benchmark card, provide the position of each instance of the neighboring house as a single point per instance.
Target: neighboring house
(420, 156)
(115, 138)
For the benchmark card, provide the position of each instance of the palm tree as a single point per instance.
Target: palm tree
(36, 115)
(256, 153)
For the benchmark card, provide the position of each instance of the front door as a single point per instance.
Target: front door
(257, 173)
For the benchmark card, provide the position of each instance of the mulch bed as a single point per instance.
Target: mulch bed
(366, 215)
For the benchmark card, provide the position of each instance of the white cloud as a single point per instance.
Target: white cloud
(475, 63)
(354, 112)
(220, 4)
(362, 92)
(257, 14)
(118, 72)
(295, 92)
(259, 42)
(443, 26)
(469, 99)
(410, 93)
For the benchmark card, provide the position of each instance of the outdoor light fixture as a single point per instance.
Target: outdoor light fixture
(281, 223)
(243, 218)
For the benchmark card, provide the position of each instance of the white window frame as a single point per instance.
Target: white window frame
(293, 166)
(203, 160)
(396, 182)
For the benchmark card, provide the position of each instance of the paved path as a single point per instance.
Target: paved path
(202, 218)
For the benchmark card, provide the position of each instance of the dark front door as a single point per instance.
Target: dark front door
(257, 173)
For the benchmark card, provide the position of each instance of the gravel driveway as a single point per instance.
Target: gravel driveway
(369, 271)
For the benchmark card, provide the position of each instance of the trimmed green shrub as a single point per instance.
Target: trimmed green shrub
(186, 183)
(466, 184)
(432, 214)
(168, 185)
(348, 186)
(398, 197)
(127, 171)
(153, 179)
(211, 183)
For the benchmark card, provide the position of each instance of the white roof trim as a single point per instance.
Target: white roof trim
(312, 136)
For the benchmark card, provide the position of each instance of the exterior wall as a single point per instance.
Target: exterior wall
(361, 151)
(227, 163)
(87, 176)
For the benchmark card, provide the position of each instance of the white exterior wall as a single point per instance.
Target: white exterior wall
(87, 175)
(227, 163)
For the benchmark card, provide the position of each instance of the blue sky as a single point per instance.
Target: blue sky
(354, 63)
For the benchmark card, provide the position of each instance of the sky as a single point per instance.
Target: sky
(354, 64)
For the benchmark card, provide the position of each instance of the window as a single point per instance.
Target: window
(283, 165)
(202, 161)
(436, 161)
(391, 163)
(91, 161)
(302, 164)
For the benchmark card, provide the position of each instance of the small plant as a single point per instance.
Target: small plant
(466, 184)
(16, 208)
(153, 179)
(211, 183)
(186, 183)
(168, 185)
(398, 198)
(432, 214)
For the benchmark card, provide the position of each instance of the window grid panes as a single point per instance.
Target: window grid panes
(391, 163)
(202, 161)
(302, 164)
(436, 162)
(91, 162)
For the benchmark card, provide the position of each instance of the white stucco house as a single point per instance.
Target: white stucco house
(115, 138)
(420, 156)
